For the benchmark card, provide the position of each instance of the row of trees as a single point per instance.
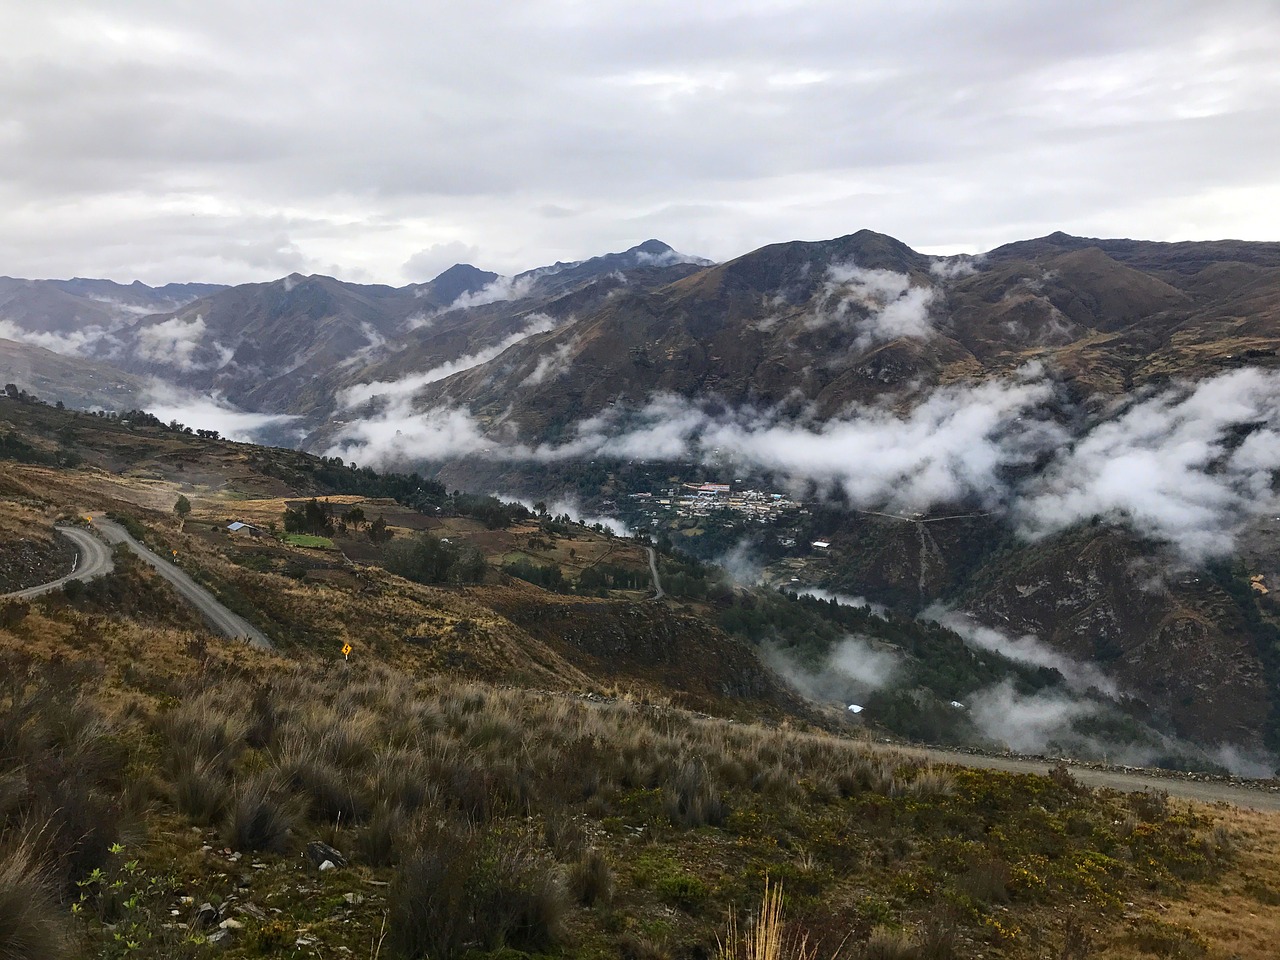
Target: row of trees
(320, 519)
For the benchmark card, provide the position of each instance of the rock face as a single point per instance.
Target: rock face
(1176, 642)
(25, 562)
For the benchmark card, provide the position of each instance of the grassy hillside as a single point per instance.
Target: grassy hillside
(500, 770)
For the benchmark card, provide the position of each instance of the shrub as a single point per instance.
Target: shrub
(987, 882)
(691, 799)
(591, 879)
(258, 819)
(31, 923)
(1165, 940)
(457, 890)
(939, 941)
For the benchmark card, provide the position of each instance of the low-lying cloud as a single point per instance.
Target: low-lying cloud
(1028, 723)
(854, 668)
(879, 305)
(952, 447)
(553, 365)
(1187, 466)
(1026, 648)
(844, 600)
(85, 342)
(955, 268)
(398, 392)
(174, 343)
(572, 508)
(212, 412)
(503, 288)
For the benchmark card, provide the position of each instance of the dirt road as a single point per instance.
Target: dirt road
(1204, 791)
(658, 592)
(93, 559)
(218, 616)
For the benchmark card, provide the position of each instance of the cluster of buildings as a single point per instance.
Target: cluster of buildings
(700, 499)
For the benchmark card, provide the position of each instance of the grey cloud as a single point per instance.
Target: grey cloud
(879, 305)
(1027, 648)
(212, 411)
(1174, 465)
(399, 393)
(953, 446)
(572, 508)
(552, 365)
(504, 288)
(1186, 466)
(432, 261)
(398, 128)
(83, 342)
(1028, 723)
(855, 667)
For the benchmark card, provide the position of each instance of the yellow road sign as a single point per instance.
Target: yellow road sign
(346, 649)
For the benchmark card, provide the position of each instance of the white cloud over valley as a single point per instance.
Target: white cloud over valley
(1185, 467)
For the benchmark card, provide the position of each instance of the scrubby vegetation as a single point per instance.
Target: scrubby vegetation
(507, 820)
(429, 559)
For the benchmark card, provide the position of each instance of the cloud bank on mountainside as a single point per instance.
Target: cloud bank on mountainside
(1187, 466)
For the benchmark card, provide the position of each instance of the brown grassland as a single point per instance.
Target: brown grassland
(498, 772)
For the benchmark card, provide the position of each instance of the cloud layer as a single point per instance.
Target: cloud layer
(1185, 467)
(165, 141)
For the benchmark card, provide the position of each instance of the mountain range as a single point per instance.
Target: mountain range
(830, 323)
(1099, 417)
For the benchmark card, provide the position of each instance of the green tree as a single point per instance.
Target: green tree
(378, 532)
(182, 507)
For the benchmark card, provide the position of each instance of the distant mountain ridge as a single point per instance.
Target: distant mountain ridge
(489, 382)
(291, 344)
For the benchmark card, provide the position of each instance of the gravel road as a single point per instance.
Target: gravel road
(658, 592)
(219, 617)
(1259, 797)
(93, 559)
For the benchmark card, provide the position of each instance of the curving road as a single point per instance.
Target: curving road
(93, 559)
(658, 592)
(1128, 781)
(219, 617)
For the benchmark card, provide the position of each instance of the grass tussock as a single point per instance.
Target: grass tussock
(260, 818)
(32, 923)
(458, 890)
(591, 879)
(512, 820)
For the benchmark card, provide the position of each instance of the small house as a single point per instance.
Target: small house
(239, 529)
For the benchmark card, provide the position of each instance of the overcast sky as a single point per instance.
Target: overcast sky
(383, 141)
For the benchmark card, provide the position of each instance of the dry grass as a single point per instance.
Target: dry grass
(1238, 917)
(32, 924)
(765, 937)
(271, 754)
